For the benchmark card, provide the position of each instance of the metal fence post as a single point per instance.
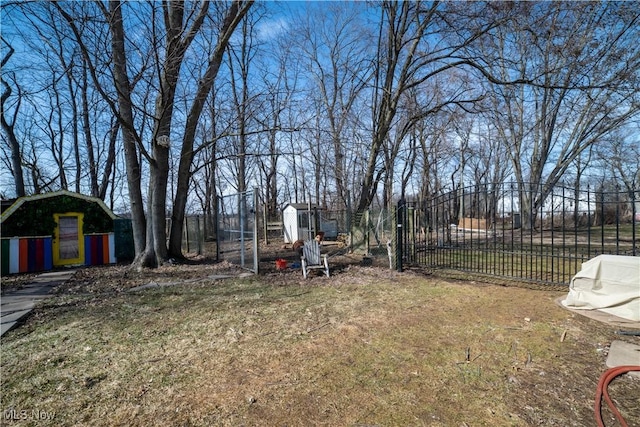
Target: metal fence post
(399, 234)
(218, 228)
(256, 254)
(200, 235)
(410, 232)
(634, 222)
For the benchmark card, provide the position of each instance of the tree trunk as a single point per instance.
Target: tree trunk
(16, 155)
(109, 162)
(125, 109)
(88, 137)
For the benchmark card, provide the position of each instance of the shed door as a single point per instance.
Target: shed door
(306, 220)
(68, 245)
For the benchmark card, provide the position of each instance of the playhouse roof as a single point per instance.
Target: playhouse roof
(26, 199)
(6, 204)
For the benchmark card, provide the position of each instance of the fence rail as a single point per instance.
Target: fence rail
(521, 232)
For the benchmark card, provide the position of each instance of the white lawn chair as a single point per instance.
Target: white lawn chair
(312, 258)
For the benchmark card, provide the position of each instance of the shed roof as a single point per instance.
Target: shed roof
(302, 206)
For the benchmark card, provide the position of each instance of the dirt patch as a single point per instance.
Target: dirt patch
(120, 278)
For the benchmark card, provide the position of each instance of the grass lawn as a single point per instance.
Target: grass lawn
(365, 347)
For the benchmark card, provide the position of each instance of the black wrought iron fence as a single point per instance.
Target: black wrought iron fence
(525, 232)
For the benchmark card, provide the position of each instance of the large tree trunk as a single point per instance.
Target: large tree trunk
(178, 40)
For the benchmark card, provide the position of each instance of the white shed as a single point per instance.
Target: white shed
(300, 221)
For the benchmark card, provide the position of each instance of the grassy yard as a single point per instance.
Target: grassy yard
(542, 267)
(366, 347)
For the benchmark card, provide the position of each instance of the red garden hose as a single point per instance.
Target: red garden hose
(602, 391)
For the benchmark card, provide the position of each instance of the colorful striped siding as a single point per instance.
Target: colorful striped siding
(106, 259)
(34, 259)
(4, 254)
(48, 256)
(26, 254)
(23, 257)
(14, 250)
(99, 249)
(31, 254)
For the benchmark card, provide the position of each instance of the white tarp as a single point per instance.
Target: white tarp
(609, 283)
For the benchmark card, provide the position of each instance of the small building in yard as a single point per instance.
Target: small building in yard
(56, 229)
(302, 221)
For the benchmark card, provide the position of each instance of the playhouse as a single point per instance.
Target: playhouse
(56, 229)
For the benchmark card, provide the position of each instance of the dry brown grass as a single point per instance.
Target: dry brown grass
(366, 347)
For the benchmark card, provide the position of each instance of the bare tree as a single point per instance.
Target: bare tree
(231, 17)
(280, 83)
(8, 124)
(407, 60)
(63, 112)
(620, 157)
(172, 35)
(204, 176)
(336, 48)
(240, 63)
(402, 27)
(573, 80)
